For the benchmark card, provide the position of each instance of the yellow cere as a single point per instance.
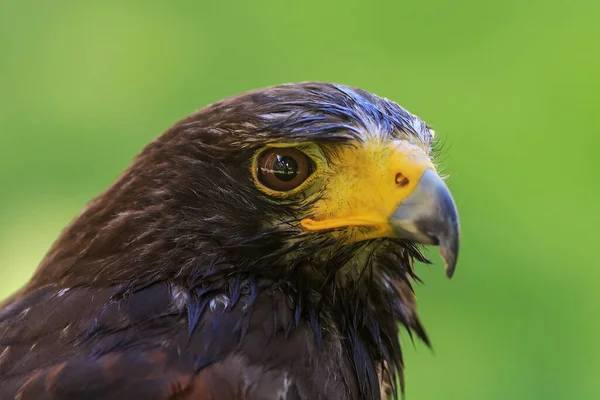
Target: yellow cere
(363, 186)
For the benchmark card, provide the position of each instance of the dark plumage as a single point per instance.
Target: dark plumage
(184, 280)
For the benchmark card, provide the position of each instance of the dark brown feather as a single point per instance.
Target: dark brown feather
(169, 286)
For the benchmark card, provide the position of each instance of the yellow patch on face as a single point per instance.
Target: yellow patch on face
(365, 183)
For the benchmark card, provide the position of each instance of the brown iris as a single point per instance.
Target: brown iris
(283, 169)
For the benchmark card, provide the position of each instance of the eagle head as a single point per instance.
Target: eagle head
(319, 191)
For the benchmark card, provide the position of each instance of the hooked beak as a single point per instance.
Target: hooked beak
(392, 190)
(429, 216)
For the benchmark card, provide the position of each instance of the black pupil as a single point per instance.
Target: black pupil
(285, 168)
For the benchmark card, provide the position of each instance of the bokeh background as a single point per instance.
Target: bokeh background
(511, 87)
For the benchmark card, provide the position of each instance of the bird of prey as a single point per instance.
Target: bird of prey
(261, 248)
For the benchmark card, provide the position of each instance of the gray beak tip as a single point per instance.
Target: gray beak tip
(450, 259)
(429, 216)
(449, 245)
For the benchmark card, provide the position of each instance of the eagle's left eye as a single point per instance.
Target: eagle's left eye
(283, 169)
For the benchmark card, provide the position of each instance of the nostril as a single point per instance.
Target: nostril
(401, 180)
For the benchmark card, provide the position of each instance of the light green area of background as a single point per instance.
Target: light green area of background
(511, 87)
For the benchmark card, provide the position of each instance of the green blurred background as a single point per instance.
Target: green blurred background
(511, 87)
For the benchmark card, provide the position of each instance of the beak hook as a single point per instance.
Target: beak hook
(429, 216)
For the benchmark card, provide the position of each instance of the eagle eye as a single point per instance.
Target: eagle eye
(283, 169)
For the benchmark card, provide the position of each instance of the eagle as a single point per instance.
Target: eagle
(261, 248)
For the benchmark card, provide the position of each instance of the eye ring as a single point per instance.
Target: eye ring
(283, 169)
